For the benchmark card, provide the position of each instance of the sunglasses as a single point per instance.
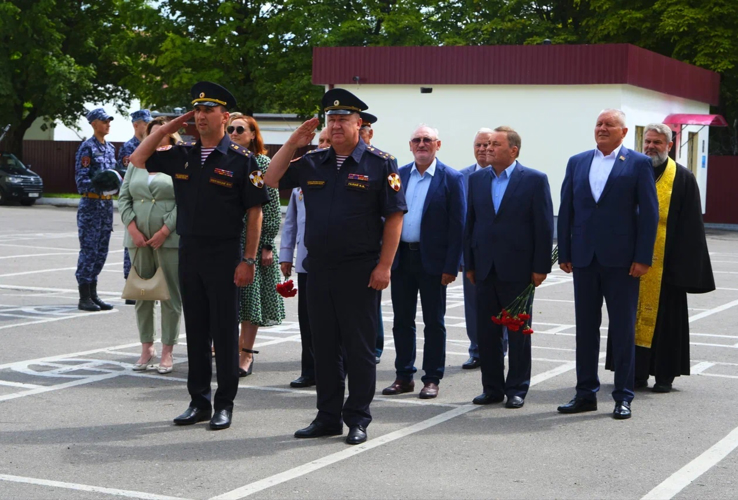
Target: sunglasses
(238, 130)
(426, 140)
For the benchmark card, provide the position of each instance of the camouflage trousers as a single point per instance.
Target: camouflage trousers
(94, 225)
(126, 263)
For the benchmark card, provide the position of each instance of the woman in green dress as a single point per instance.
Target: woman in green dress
(259, 302)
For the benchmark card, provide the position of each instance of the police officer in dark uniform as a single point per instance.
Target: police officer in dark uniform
(95, 211)
(216, 182)
(348, 188)
(140, 119)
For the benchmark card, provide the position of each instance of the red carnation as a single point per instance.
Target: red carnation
(287, 289)
(527, 331)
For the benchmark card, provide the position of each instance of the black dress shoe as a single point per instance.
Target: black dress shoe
(192, 415)
(640, 383)
(622, 410)
(221, 420)
(302, 381)
(578, 405)
(471, 363)
(356, 435)
(514, 402)
(318, 429)
(487, 399)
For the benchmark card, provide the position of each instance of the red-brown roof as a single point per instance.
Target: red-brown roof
(515, 65)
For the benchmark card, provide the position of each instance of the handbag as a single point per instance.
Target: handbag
(137, 288)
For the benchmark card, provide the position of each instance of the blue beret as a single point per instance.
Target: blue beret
(98, 114)
(141, 114)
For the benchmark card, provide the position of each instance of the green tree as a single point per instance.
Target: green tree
(55, 56)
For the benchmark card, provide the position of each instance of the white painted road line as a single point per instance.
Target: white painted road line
(701, 367)
(39, 271)
(60, 318)
(712, 311)
(694, 469)
(85, 487)
(307, 468)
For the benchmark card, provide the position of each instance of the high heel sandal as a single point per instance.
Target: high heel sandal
(246, 373)
(142, 367)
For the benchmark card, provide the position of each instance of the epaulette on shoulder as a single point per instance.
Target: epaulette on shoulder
(186, 143)
(319, 150)
(380, 153)
(240, 149)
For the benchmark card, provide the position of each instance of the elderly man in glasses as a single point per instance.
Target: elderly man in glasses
(427, 261)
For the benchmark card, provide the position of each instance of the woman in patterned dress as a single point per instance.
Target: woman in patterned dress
(260, 304)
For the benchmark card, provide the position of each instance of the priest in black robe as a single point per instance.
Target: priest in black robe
(662, 324)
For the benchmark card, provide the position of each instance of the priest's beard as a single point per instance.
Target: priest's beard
(658, 159)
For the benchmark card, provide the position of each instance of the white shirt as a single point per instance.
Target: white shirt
(600, 170)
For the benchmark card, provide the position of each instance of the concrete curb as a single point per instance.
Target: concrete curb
(64, 202)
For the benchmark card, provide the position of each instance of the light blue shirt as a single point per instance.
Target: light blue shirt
(499, 184)
(417, 190)
(600, 170)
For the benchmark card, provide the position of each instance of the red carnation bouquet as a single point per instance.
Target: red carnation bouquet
(517, 315)
(287, 289)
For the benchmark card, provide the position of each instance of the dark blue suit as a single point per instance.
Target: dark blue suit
(419, 268)
(601, 240)
(503, 249)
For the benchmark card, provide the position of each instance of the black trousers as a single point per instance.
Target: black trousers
(343, 321)
(210, 302)
(493, 295)
(306, 337)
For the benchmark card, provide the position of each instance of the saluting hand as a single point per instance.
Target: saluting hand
(304, 134)
(177, 123)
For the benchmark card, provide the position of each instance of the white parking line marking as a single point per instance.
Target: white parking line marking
(712, 311)
(23, 256)
(701, 367)
(694, 469)
(301, 470)
(61, 318)
(44, 289)
(39, 271)
(85, 487)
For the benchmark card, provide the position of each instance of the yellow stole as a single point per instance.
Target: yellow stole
(650, 287)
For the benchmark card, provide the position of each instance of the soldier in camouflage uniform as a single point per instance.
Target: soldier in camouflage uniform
(140, 120)
(95, 212)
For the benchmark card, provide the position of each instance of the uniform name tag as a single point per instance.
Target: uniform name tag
(221, 182)
(182, 177)
(358, 177)
(316, 184)
(220, 171)
(360, 186)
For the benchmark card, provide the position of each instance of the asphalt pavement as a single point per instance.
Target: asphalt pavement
(77, 422)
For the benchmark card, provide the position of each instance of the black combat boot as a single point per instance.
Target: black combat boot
(93, 295)
(85, 302)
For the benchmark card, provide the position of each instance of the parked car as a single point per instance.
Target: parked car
(17, 182)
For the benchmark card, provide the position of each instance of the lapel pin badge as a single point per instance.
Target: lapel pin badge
(622, 158)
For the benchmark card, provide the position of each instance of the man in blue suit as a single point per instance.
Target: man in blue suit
(481, 141)
(607, 229)
(427, 261)
(507, 246)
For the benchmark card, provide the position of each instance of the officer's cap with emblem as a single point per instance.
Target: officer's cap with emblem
(342, 102)
(211, 94)
(141, 115)
(98, 114)
(367, 119)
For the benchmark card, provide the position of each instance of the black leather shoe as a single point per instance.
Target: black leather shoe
(318, 429)
(578, 405)
(85, 301)
(514, 402)
(221, 420)
(487, 399)
(661, 387)
(356, 435)
(640, 383)
(302, 381)
(192, 416)
(471, 363)
(622, 410)
(399, 387)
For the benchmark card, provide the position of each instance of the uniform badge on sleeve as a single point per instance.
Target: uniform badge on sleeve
(257, 178)
(394, 181)
(85, 161)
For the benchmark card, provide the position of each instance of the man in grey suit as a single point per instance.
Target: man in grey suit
(481, 141)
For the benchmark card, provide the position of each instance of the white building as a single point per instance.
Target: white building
(550, 94)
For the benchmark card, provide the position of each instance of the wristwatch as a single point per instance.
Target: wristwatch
(267, 247)
(248, 261)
